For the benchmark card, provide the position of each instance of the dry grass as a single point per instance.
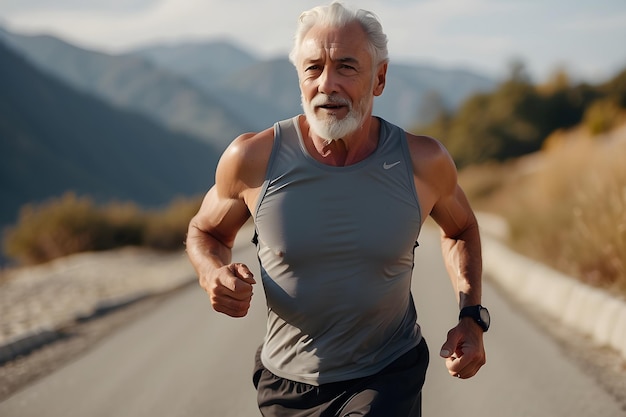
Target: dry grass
(71, 224)
(566, 206)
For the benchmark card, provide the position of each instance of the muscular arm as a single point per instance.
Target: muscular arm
(442, 197)
(224, 210)
(460, 245)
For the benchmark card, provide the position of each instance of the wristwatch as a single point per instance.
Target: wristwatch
(479, 313)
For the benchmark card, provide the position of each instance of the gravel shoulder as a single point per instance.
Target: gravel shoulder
(51, 313)
(74, 340)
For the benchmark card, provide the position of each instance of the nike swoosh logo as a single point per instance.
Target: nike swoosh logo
(389, 166)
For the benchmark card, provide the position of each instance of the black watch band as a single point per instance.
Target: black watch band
(480, 315)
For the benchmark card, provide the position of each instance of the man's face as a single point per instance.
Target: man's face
(337, 79)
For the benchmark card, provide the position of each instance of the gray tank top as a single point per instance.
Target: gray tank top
(335, 245)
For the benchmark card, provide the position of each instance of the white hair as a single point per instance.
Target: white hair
(337, 15)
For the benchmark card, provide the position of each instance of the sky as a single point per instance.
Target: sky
(587, 38)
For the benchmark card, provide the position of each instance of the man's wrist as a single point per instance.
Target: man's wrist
(479, 314)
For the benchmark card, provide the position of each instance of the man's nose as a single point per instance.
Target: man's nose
(328, 82)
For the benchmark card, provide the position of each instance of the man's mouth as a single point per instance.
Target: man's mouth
(331, 106)
(330, 103)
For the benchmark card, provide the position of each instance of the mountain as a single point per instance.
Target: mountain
(264, 91)
(217, 90)
(132, 82)
(268, 91)
(56, 139)
(205, 62)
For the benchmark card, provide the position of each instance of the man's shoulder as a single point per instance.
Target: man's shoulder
(255, 144)
(250, 144)
(423, 146)
(246, 158)
(252, 138)
(431, 161)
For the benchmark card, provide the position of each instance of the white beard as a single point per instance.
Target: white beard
(330, 127)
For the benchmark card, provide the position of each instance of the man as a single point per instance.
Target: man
(338, 198)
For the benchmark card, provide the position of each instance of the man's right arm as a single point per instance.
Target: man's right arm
(209, 247)
(212, 231)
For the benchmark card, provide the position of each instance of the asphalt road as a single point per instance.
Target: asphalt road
(183, 359)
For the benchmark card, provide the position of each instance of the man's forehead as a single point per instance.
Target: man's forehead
(320, 40)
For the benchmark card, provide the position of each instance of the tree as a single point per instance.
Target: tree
(517, 117)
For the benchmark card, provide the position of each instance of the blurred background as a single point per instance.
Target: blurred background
(113, 115)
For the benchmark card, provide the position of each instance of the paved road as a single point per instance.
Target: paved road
(185, 360)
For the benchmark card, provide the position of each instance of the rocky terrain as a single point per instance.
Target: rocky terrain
(50, 313)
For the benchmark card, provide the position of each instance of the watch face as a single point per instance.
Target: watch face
(484, 316)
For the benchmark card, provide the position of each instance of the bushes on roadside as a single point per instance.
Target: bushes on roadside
(603, 115)
(167, 229)
(571, 213)
(71, 224)
(565, 206)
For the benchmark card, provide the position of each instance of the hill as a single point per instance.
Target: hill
(56, 139)
(132, 82)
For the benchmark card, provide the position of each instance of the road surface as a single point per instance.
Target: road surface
(183, 359)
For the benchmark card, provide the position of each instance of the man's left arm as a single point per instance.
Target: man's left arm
(460, 243)
(436, 181)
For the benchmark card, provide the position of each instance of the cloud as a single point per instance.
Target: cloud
(614, 24)
(21, 6)
(255, 23)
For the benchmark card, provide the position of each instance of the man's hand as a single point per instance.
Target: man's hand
(229, 289)
(464, 351)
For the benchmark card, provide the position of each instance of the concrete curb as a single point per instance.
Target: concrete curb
(581, 308)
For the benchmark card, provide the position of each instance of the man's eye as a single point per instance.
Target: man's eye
(312, 68)
(345, 68)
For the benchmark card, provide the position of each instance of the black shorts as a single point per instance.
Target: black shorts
(396, 391)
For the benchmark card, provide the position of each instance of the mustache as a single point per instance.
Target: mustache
(332, 100)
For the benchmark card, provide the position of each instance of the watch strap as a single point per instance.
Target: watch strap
(474, 313)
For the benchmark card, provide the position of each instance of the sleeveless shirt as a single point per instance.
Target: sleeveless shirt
(336, 251)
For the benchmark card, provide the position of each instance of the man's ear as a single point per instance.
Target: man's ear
(381, 79)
